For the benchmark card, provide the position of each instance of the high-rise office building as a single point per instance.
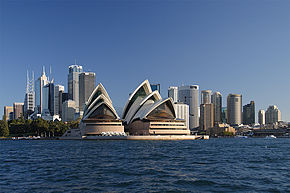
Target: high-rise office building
(68, 110)
(17, 110)
(7, 111)
(234, 109)
(39, 84)
(205, 97)
(182, 112)
(216, 99)
(45, 98)
(86, 87)
(224, 115)
(51, 98)
(58, 90)
(190, 96)
(272, 115)
(155, 87)
(63, 96)
(29, 100)
(206, 116)
(173, 93)
(261, 116)
(73, 83)
(249, 113)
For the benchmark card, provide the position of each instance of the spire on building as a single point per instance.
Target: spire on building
(27, 82)
(43, 70)
(30, 83)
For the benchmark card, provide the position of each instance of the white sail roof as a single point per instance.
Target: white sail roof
(99, 99)
(139, 102)
(141, 91)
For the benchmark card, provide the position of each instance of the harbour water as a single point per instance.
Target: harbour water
(215, 165)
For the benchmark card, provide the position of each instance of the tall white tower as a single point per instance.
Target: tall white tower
(190, 95)
(39, 84)
(29, 101)
(234, 109)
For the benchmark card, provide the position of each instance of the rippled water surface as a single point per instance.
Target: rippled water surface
(215, 165)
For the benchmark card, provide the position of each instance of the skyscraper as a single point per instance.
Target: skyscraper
(261, 116)
(190, 95)
(45, 98)
(173, 93)
(273, 114)
(29, 100)
(39, 84)
(86, 87)
(63, 96)
(51, 96)
(216, 100)
(73, 83)
(224, 115)
(249, 113)
(58, 90)
(205, 97)
(17, 110)
(7, 111)
(206, 116)
(68, 110)
(234, 109)
(155, 87)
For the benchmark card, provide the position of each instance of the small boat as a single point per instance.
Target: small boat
(241, 136)
(271, 137)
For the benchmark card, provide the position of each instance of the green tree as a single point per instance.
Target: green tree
(40, 126)
(4, 130)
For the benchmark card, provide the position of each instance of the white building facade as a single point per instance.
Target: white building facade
(272, 115)
(261, 117)
(190, 95)
(68, 110)
(173, 93)
(182, 112)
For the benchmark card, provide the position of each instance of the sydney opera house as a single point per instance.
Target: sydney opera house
(99, 116)
(145, 113)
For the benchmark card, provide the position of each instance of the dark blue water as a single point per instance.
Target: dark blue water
(215, 165)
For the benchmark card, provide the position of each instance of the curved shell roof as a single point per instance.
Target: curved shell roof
(139, 102)
(147, 109)
(141, 91)
(145, 104)
(99, 99)
(100, 89)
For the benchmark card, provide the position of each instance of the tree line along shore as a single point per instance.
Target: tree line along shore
(38, 127)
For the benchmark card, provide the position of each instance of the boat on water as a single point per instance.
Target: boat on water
(241, 136)
(271, 137)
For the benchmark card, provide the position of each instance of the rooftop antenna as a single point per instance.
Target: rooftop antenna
(75, 61)
(27, 82)
(32, 80)
(50, 70)
(43, 70)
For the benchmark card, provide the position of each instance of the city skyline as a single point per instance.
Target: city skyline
(171, 47)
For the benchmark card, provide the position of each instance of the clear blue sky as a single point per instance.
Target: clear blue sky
(231, 46)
